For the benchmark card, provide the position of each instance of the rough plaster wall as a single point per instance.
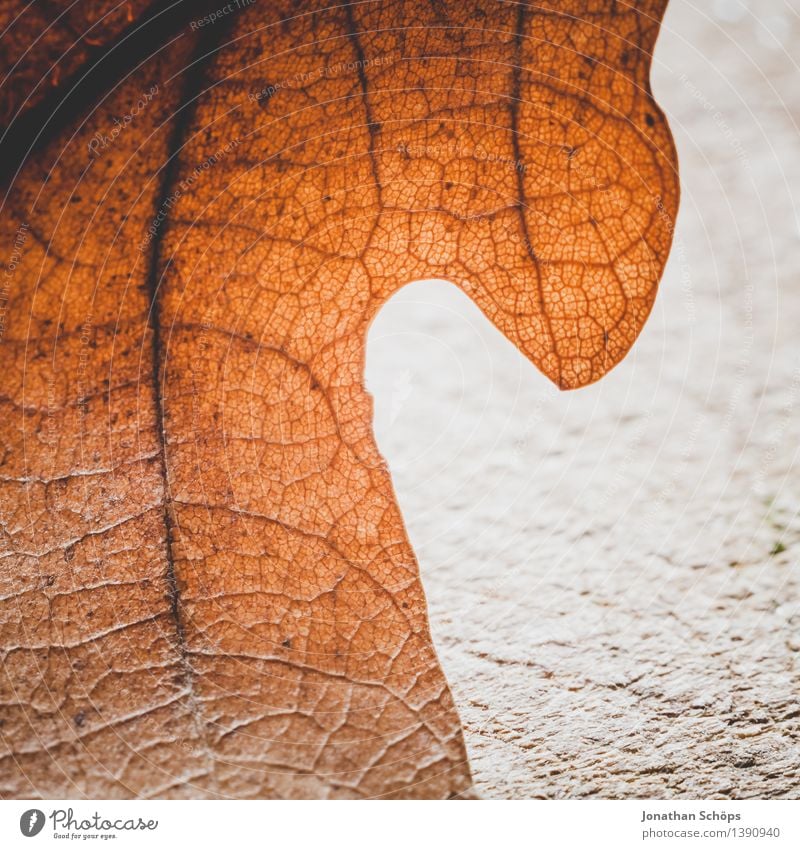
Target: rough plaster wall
(613, 573)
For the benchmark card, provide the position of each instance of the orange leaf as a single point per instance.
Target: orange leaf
(207, 587)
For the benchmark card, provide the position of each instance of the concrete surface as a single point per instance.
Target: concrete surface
(613, 573)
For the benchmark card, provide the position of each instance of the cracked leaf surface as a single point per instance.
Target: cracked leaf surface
(208, 588)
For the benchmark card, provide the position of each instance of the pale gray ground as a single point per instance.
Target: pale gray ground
(613, 573)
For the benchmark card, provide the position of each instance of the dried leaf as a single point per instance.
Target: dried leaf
(207, 588)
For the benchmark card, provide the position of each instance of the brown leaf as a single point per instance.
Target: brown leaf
(207, 588)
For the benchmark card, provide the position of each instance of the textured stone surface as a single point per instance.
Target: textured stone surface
(612, 573)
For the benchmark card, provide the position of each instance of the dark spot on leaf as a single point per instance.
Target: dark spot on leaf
(264, 96)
